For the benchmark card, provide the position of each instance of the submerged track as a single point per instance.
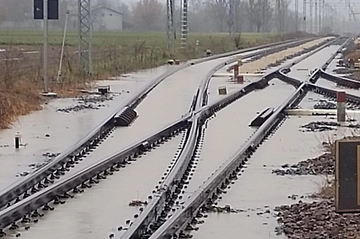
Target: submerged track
(151, 221)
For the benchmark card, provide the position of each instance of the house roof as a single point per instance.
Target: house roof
(105, 7)
(96, 8)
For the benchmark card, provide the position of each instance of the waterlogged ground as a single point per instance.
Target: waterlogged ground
(257, 190)
(50, 131)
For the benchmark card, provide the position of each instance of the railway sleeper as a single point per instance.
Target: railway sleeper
(57, 172)
(77, 190)
(47, 208)
(34, 190)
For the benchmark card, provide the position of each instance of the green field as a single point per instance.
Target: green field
(120, 52)
(118, 38)
(16, 37)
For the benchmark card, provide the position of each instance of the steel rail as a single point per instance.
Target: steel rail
(229, 169)
(276, 73)
(327, 63)
(39, 199)
(158, 203)
(295, 82)
(91, 139)
(153, 211)
(340, 80)
(268, 76)
(196, 200)
(317, 88)
(15, 212)
(332, 93)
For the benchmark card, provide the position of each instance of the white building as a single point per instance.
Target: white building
(106, 19)
(103, 19)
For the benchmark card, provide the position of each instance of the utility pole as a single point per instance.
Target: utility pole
(323, 13)
(46, 28)
(231, 17)
(85, 32)
(316, 18)
(46, 10)
(62, 47)
(311, 17)
(263, 20)
(296, 15)
(304, 15)
(279, 16)
(170, 26)
(320, 16)
(184, 23)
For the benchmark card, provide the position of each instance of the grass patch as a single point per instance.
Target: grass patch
(326, 189)
(123, 38)
(16, 102)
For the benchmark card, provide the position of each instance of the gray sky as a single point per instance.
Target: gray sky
(342, 6)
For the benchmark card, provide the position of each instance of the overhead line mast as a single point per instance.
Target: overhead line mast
(85, 33)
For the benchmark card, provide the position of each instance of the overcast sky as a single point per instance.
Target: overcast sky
(341, 6)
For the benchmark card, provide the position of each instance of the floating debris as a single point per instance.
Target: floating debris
(88, 103)
(319, 126)
(50, 155)
(225, 209)
(137, 203)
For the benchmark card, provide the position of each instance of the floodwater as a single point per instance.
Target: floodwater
(104, 207)
(231, 126)
(302, 70)
(257, 189)
(154, 113)
(65, 129)
(92, 216)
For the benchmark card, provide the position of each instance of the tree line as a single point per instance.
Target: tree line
(204, 15)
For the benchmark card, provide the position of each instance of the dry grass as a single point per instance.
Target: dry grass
(23, 99)
(326, 189)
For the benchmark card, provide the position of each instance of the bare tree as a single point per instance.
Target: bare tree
(147, 15)
(238, 22)
(282, 9)
(266, 14)
(3, 12)
(254, 12)
(220, 10)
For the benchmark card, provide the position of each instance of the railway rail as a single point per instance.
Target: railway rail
(153, 216)
(158, 208)
(175, 226)
(124, 115)
(160, 202)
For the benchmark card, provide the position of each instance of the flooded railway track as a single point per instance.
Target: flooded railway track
(124, 115)
(191, 123)
(157, 213)
(67, 159)
(183, 218)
